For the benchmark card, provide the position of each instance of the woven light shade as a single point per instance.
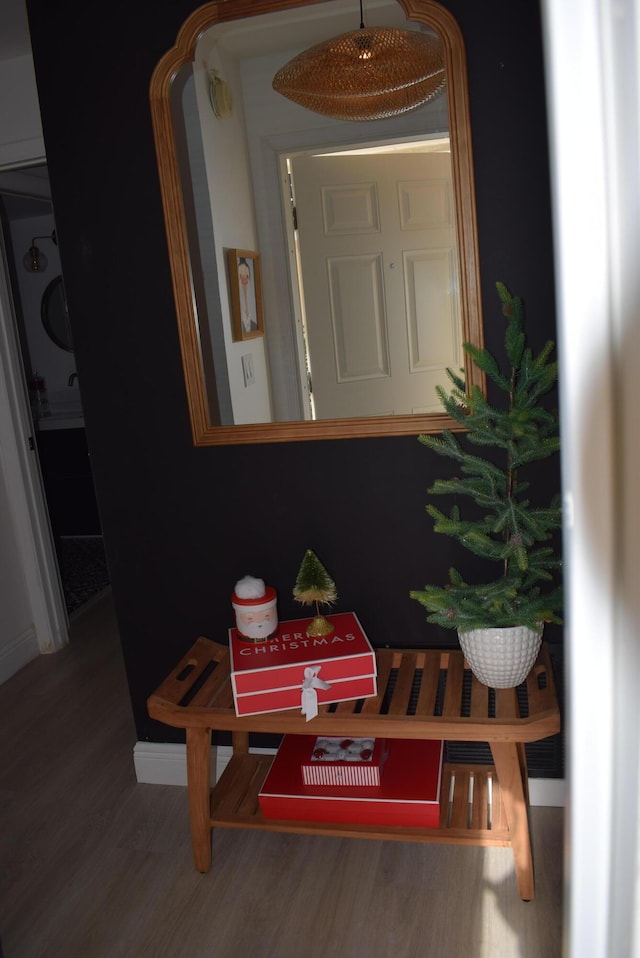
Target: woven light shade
(367, 74)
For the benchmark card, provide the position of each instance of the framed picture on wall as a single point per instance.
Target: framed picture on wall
(245, 284)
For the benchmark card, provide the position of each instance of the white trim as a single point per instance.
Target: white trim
(17, 653)
(158, 763)
(24, 485)
(22, 153)
(592, 62)
(163, 763)
(550, 792)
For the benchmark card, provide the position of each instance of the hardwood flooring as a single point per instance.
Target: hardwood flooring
(94, 865)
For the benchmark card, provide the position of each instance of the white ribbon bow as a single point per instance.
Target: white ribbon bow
(309, 694)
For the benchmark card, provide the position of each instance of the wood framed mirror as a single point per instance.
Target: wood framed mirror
(229, 149)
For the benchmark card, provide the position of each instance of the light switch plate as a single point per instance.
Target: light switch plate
(247, 370)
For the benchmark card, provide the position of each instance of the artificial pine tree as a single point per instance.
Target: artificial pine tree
(314, 586)
(510, 529)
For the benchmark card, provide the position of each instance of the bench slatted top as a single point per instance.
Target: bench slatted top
(422, 693)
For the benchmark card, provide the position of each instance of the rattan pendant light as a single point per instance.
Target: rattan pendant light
(367, 74)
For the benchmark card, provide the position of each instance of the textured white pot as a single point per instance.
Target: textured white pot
(501, 658)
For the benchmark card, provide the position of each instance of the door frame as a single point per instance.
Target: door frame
(25, 491)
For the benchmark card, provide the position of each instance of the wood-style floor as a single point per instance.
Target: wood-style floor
(93, 865)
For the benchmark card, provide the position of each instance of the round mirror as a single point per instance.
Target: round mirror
(55, 315)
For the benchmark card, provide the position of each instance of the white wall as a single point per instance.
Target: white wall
(20, 128)
(32, 616)
(18, 640)
(593, 75)
(225, 147)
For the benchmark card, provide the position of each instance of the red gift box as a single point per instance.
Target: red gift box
(345, 761)
(270, 676)
(408, 794)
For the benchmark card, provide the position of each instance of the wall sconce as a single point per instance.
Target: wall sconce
(34, 260)
(219, 96)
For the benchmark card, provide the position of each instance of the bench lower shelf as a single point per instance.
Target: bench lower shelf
(234, 804)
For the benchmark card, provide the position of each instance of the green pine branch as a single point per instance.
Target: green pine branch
(511, 530)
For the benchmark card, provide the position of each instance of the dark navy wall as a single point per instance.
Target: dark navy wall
(182, 524)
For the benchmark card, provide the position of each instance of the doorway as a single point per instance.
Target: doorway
(382, 321)
(49, 379)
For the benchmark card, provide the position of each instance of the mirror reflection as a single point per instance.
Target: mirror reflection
(363, 232)
(55, 314)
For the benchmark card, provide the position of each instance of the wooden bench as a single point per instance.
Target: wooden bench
(422, 694)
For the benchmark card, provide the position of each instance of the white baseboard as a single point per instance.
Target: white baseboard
(547, 791)
(16, 653)
(163, 764)
(157, 763)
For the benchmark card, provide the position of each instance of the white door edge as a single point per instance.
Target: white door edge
(24, 484)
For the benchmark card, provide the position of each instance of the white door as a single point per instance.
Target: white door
(379, 271)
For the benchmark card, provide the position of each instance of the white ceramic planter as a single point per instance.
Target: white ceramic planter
(501, 658)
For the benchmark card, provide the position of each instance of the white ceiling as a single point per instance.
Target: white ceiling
(25, 193)
(14, 30)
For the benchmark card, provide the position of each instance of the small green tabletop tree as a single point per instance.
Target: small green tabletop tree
(507, 528)
(314, 586)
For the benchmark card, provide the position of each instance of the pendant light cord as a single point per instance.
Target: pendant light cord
(361, 17)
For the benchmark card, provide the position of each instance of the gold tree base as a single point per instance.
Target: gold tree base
(319, 626)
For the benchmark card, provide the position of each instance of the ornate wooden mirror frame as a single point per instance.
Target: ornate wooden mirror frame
(183, 52)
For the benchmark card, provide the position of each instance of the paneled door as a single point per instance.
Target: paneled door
(380, 281)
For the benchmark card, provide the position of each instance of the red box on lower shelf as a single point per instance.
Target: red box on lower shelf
(408, 794)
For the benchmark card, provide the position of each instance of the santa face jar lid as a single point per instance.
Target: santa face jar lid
(254, 603)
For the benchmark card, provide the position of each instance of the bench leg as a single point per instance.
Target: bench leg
(511, 769)
(240, 742)
(199, 789)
